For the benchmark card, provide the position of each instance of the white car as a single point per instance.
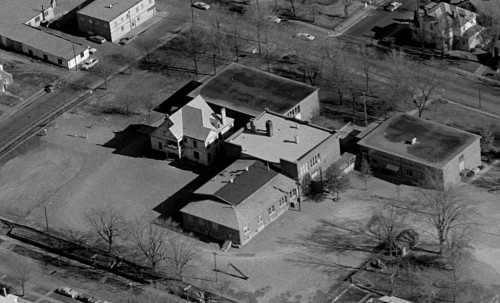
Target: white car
(274, 19)
(89, 63)
(393, 6)
(66, 291)
(201, 5)
(306, 36)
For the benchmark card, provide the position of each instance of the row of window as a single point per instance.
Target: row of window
(295, 111)
(314, 160)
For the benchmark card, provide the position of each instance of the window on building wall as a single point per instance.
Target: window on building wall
(283, 201)
(123, 28)
(461, 158)
(116, 23)
(409, 173)
(81, 19)
(37, 19)
(196, 155)
(46, 13)
(136, 9)
(374, 161)
(271, 210)
(185, 140)
(105, 25)
(90, 21)
(59, 61)
(215, 226)
(195, 144)
(160, 146)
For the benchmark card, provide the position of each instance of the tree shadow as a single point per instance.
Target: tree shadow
(134, 142)
(178, 99)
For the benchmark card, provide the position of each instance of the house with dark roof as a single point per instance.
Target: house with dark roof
(449, 27)
(408, 148)
(114, 19)
(296, 147)
(240, 201)
(249, 91)
(193, 132)
(21, 31)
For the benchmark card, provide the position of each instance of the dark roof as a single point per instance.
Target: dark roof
(251, 91)
(436, 143)
(246, 183)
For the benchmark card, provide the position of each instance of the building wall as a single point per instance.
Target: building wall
(211, 229)
(48, 14)
(305, 109)
(471, 159)
(328, 152)
(120, 26)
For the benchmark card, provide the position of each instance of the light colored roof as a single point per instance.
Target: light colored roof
(436, 143)
(9, 299)
(391, 299)
(20, 11)
(251, 91)
(43, 41)
(444, 13)
(251, 193)
(195, 120)
(100, 9)
(282, 144)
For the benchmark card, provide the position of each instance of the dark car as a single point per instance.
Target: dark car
(97, 39)
(126, 40)
(49, 88)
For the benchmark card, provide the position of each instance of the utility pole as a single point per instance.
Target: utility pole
(46, 218)
(479, 90)
(215, 266)
(364, 106)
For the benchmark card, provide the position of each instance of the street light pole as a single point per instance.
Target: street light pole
(364, 106)
(46, 218)
(215, 266)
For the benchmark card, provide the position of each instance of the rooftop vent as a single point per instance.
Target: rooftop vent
(246, 168)
(413, 141)
(297, 139)
(231, 180)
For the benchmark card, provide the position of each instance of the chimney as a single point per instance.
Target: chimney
(246, 168)
(223, 116)
(269, 128)
(110, 5)
(4, 292)
(297, 139)
(231, 180)
(252, 125)
(413, 141)
(43, 14)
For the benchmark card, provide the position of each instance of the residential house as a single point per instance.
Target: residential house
(21, 30)
(114, 19)
(449, 27)
(240, 202)
(407, 149)
(296, 147)
(249, 91)
(193, 132)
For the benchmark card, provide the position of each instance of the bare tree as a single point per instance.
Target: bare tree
(347, 4)
(107, 223)
(150, 240)
(180, 256)
(423, 84)
(339, 72)
(365, 170)
(445, 211)
(258, 17)
(195, 43)
(367, 62)
(489, 29)
(235, 32)
(105, 69)
(335, 180)
(147, 100)
(127, 99)
(311, 60)
(23, 272)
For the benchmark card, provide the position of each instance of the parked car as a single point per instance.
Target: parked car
(306, 36)
(201, 5)
(66, 291)
(86, 298)
(393, 6)
(126, 40)
(49, 88)
(89, 63)
(274, 19)
(97, 39)
(91, 49)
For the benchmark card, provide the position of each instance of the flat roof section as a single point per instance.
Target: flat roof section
(20, 11)
(291, 138)
(107, 10)
(251, 91)
(436, 144)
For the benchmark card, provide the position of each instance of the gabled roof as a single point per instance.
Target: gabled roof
(195, 120)
(20, 11)
(446, 14)
(282, 144)
(436, 143)
(251, 91)
(254, 188)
